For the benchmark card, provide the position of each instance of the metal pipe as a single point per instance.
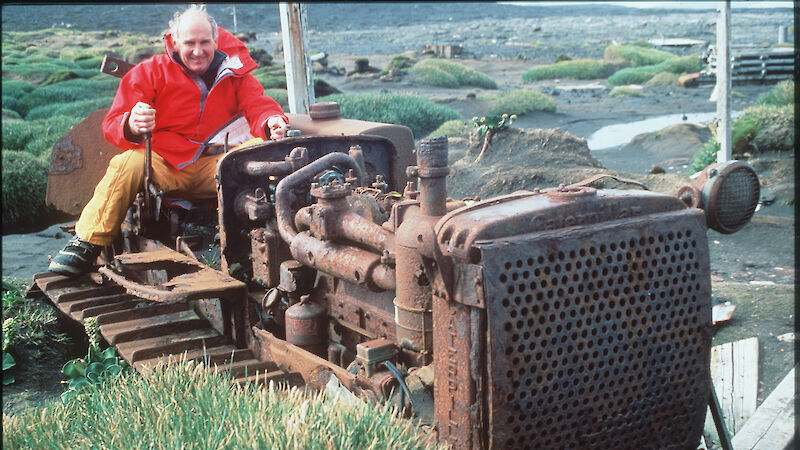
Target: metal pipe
(283, 194)
(355, 265)
(348, 226)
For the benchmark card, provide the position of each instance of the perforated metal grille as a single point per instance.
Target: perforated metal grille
(598, 339)
(737, 198)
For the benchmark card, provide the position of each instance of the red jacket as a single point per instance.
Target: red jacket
(187, 113)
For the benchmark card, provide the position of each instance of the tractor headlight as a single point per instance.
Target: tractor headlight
(728, 192)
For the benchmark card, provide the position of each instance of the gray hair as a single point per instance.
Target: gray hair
(195, 9)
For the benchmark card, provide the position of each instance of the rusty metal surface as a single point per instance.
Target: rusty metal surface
(599, 337)
(77, 163)
(66, 156)
(146, 332)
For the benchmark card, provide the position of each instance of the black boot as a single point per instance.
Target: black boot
(77, 258)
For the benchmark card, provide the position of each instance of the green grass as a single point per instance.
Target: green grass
(705, 156)
(33, 324)
(780, 95)
(17, 135)
(452, 128)
(438, 72)
(520, 102)
(81, 108)
(753, 131)
(642, 74)
(419, 114)
(69, 91)
(398, 65)
(279, 95)
(637, 55)
(186, 406)
(624, 91)
(663, 79)
(269, 79)
(578, 69)
(24, 187)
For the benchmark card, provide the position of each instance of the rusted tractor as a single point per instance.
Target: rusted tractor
(570, 317)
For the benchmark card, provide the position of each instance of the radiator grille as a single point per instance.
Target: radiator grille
(599, 338)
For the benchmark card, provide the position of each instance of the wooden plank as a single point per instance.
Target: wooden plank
(734, 372)
(772, 426)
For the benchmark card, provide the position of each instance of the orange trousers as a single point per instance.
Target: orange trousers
(101, 218)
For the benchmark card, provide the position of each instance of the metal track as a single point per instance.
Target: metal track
(145, 332)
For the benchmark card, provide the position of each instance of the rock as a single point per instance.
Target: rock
(657, 169)
(261, 57)
(323, 88)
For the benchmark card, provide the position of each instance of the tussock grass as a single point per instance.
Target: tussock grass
(398, 65)
(24, 187)
(625, 91)
(578, 69)
(438, 72)
(780, 95)
(268, 79)
(81, 108)
(642, 74)
(452, 128)
(520, 102)
(279, 95)
(69, 91)
(663, 79)
(637, 54)
(419, 114)
(761, 128)
(186, 406)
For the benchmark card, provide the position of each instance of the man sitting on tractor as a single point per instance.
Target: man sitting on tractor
(180, 98)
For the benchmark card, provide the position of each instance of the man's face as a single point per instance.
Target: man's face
(195, 44)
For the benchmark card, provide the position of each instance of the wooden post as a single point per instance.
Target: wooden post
(723, 88)
(296, 57)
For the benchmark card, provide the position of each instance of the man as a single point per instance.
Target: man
(181, 97)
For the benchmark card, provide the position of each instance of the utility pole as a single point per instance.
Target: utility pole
(296, 57)
(723, 87)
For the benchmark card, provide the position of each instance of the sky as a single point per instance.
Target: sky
(736, 4)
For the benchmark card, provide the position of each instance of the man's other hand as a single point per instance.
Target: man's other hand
(277, 127)
(142, 119)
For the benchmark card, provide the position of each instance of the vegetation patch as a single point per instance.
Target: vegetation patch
(268, 79)
(81, 108)
(642, 74)
(438, 72)
(189, 406)
(279, 95)
(762, 128)
(452, 128)
(520, 102)
(419, 114)
(626, 91)
(663, 79)
(24, 189)
(398, 65)
(780, 95)
(578, 69)
(638, 55)
(27, 324)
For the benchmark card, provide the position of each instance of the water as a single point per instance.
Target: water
(622, 133)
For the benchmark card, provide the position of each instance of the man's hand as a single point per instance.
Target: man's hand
(277, 127)
(142, 119)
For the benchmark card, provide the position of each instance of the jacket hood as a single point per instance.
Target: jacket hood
(237, 56)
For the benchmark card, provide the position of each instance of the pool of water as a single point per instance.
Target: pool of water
(622, 133)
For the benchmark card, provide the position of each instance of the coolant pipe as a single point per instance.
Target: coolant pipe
(360, 267)
(415, 239)
(346, 225)
(283, 192)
